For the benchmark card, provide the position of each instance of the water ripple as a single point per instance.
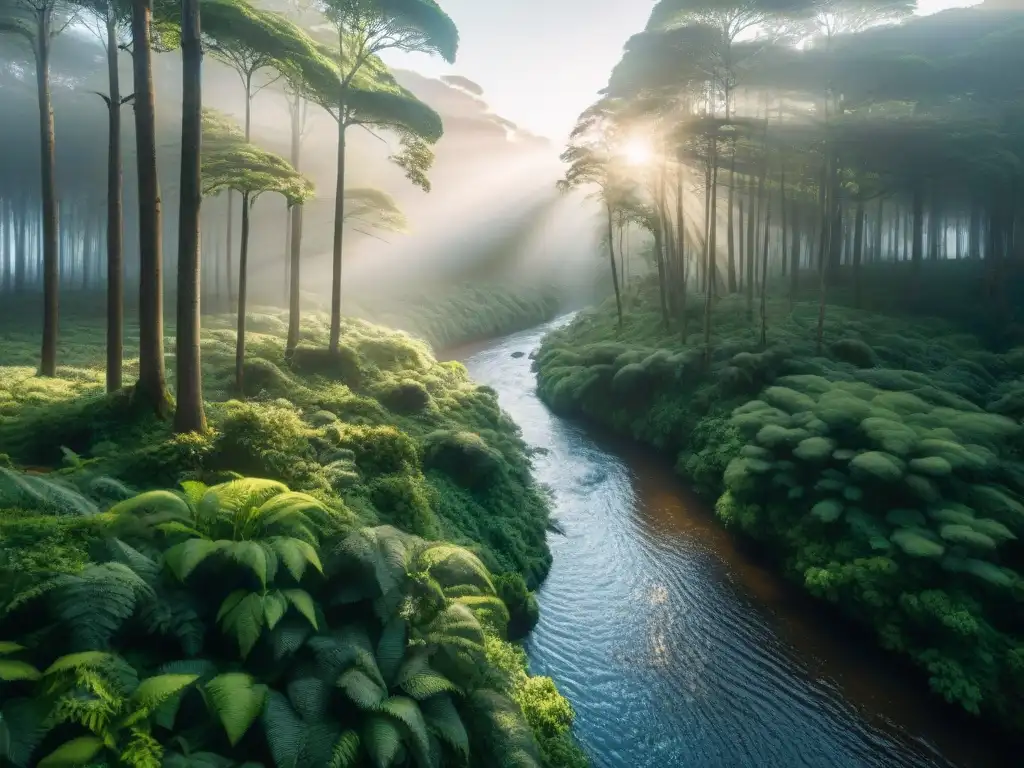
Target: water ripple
(663, 644)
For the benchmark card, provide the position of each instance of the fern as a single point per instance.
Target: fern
(78, 751)
(236, 700)
(443, 720)
(95, 602)
(383, 740)
(346, 751)
(407, 712)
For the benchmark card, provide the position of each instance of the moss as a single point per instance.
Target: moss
(464, 456)
(853, 351)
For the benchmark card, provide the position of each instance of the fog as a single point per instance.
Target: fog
(493, 214)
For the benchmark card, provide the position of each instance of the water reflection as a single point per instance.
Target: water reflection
(678, 650)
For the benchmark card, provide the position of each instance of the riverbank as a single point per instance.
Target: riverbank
(384, 435)
(881, 475)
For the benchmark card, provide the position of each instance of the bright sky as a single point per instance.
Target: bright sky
(541, 62)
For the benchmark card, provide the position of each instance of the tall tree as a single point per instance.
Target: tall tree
(230, 162)
(365, 29)
(37, 22)
(152, 382)
(189, 415)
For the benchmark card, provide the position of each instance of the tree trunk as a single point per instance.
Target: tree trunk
(918, 253)
(21, 244)
(858, 250)
(189, 415)
(229, 256)
(115, 235)
(611, 258)
(730, 239)
(294, 308)
(243, 269)
(339, 221)
(741, 255)
(51, 232)
(151, 385)
(764, 273)
(751, 242)
(794, 255)
(709, 239)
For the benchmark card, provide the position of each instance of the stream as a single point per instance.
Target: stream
(674, 646)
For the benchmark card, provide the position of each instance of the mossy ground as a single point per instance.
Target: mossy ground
(381, 431)
(885, 472)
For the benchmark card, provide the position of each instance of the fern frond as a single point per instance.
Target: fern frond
(296, 555)
(291, 512)
(303, 604)
(236, 700)
(407, 712)
(349, 646)
(246, 492)
(450, 566)
(380, 550)
(250, 555)
(288, 636)
(423, 685)
(12, 670)
(284, 731)
(154, 507)
(141, 750)
(173, 614)
(153, 692)
(346, 751)
(78, 751)
(23, 725)
(126, 554)
(185, 557)
(444, 721)
(383, 740)
(361, 689)
(242, 616)
(391, 648)
(95, 602)
(309, 696)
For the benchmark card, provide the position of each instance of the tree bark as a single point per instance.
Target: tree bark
(115, 216)
(51, 231)
(794, 254)
(730, 239)
(918, 252)
(858, 251)
(295, 261)
(611, 258)
(189, 415)
(229, 255)
(152, 385)
(764, 273)
(339, 222)
(243, 269)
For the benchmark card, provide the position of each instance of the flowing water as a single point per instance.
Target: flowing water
(674, 647)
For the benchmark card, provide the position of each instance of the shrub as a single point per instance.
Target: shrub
(521, 603)
(401, 501)
(853, 351)
(406, 397)
(342, 365)
(463, 456)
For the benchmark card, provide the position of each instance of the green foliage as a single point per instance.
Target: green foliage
(888, 491)
(307, 643)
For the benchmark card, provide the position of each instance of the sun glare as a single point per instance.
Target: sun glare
(637, 152)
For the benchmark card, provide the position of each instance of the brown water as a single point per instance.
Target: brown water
(678, 649)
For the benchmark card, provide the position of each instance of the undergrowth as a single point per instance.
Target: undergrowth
(884, 472)
(381, 435)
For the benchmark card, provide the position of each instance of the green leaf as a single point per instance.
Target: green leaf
(303, 604)
(423, 685)
(284, 730)
(444, 721)
(361, 689)
(231, 602)
(274, 607)
(76, 752)
(11, 670)
(245, 622)
(382, 739)
(408, 713)
(391, 648)
(346, 751)
(296, 555)
(155, 691)
(185, 557)
(251, 555)
(236, 699)
(83, 660)
(7, 647)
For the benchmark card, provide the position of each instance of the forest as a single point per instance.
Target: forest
(827, 337)
(256, 535)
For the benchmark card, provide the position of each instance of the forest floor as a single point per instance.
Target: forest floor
(382, 434)
(884, 471)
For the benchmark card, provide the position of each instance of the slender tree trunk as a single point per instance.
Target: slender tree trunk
(21, 241)
(115, 217)
(229, 255)
(295, 238)
(858, 250)
(611, 258)
(794, 255)
(876, 252)
(709, 268)
(742, 256)
(918, 253)
(681, 250)
(151, 385)
(730, 238)
(243, 277)
(751, 240)
(189, 415)
(339, 221)
(51, 227)
(764, 272)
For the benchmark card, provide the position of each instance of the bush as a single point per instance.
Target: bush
(402, 501)
(463, 456)
(521, 603)
(406, 397)
(342, 365)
